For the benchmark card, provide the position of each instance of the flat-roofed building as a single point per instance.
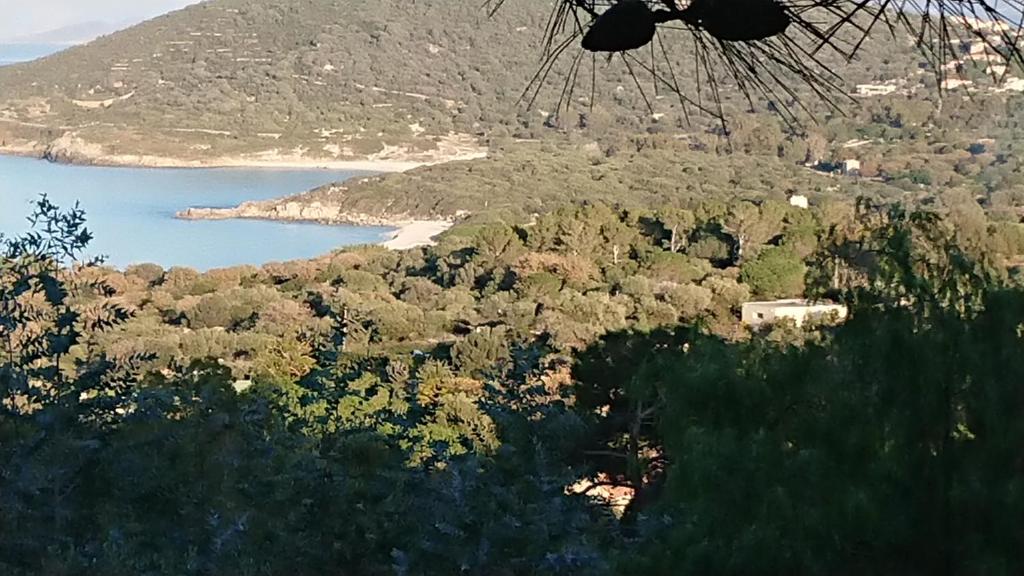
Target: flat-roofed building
(799, 201)
(797, 310)
(875, 89)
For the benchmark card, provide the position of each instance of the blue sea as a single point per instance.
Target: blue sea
(14, 53)
(131, 212)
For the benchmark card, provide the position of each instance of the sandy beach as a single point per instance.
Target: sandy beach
(416, 233)
(408, 233)
(148, 161)
(73, 149)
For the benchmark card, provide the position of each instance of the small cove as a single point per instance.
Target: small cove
(130, 212)
(15, 53)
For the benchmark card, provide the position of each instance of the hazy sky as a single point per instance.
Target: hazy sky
(21, 17)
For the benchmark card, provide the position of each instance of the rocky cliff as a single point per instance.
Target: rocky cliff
(293, 211)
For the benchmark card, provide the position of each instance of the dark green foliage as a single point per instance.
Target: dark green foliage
(710, 247)
(540, 285)
(482, 352)
(200, 480)
(45, 310)
(873, 449)
(777, 272)
(675, 268)
(394, 419)
(359, 463)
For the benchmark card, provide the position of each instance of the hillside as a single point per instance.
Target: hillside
(589, 373)
(896, 148)
(302, 77)
(295, 80)
(516, 184)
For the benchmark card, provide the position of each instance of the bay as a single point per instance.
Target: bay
(130, 211)
(15, 53)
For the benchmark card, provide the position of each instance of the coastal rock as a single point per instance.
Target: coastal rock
(411, 233)
(70, 149)
(291, 211)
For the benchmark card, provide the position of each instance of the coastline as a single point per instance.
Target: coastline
(417, 233)
(157, 162)
(411, 232)
(71, 148)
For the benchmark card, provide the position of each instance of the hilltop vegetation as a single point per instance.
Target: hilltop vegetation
(904, 153)
(515, 184)
(466, 407)
(327, 79)
(333, 78)
(562, 385)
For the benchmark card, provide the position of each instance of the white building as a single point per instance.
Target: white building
(760, 313)
(851, 167)
(875, 89)
(954, 83)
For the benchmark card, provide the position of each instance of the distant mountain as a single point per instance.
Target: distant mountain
(74, 34)
(335, 80)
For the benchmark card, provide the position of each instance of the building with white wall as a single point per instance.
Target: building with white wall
(799, 201)
(876, 89)
(799, 311)
(851, 167)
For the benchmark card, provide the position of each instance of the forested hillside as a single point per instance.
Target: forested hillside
(571, 396)
(341, 79)
(563, 384)
(904, 152)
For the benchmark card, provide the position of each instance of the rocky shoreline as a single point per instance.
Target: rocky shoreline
(410, 232)
(290, 211)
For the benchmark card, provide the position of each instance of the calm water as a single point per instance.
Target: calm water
(131, 212)
(14, 53)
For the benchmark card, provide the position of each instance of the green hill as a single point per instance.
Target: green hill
(330, 79)
(238, 76)
(516, 184)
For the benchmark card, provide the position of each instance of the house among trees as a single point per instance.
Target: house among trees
(759, 313)
(876, 89)
(851, 167)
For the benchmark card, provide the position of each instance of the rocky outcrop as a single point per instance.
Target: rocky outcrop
(410, 233)
(288, 210)
(70, 149)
